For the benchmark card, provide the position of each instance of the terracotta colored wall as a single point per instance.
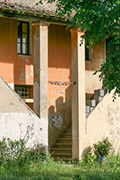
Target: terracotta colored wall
(6, 63)
(24, 74)
(98, 57)
(59, 65)
(14, 68)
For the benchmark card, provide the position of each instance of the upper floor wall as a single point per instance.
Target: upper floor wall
(14, 68)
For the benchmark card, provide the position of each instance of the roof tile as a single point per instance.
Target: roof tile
(27, 10)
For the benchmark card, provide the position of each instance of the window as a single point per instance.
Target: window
(25, 92)
(107, 42)
(23, 38)
(88, 52)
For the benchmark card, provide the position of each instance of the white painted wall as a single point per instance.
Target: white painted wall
(104, 121)
(17, 120)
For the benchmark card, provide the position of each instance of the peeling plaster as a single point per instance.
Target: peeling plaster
(56, 120)
(26, 60)
(22, 75)
(31, 73)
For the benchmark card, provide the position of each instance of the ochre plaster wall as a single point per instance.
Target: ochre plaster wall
(104, 121)
(59, 69)
(14, 68)
(98, 57)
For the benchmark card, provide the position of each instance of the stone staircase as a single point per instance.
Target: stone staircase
(62, 148)
(97, 97)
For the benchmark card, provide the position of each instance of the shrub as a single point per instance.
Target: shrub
(14, 152)
(11, 150)
(102, 147)
(90, 159)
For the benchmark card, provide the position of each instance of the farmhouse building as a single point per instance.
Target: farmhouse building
(48, 93)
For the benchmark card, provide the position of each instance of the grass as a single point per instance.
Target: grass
(16, 163)
(51, 170)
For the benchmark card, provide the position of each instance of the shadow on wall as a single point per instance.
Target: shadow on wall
(89, 96)
(59, 115)
(59, 69)
(86, 152)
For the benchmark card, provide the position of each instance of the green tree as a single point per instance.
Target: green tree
(100, 19)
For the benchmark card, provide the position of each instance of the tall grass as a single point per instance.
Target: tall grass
(16, 163)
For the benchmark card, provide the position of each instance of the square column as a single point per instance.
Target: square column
(40, 41)
(40, 37)
(78, 93)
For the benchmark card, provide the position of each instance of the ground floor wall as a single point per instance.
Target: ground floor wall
(104, 121)
(17, 120)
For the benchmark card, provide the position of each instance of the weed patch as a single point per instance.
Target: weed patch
(17, 163)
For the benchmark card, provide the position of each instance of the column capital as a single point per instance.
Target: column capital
(42, 23)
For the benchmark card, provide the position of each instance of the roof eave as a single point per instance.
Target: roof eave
(35, 18)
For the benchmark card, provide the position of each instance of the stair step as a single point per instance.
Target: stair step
(91, 102)
(68, 130)
(64, 139)
(91, 108)
(99, 92)
(87, 114)
(98, 99)
(87, 109)
(66, 142)
(61, 149)
(70, 125)
(66, 135)
(63, 143)
(63, 158)
(62, 154)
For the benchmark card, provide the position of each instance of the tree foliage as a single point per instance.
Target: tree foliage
(100, 19)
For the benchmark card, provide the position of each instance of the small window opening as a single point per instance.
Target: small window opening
(25, 92)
